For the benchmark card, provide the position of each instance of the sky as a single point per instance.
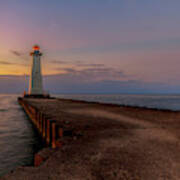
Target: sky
(96, 46)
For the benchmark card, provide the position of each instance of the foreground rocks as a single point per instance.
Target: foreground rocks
(108, 142)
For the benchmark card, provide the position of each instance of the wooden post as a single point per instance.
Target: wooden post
(60, 132)
(53, 134)
(42, 115)
(40, 121)
(59, 137)
(44, 127)
(48, 131)
(35, 116)
(36, 120)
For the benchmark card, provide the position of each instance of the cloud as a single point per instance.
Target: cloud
(5, 63)
(11, 63)
(81, 64)
(16, 53)
(13, 83)
(61, 84)
(64, 84)
(93, 74)
(58, 62)
(88, 71)
(68, 70)
(20, 55)
(77, 63)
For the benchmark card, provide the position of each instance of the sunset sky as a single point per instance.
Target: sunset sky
(108, 46)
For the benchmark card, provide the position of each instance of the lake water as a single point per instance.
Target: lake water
(171, 102)
(19, 141)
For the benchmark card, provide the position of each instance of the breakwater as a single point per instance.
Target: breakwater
(102, 141)
(50, 132)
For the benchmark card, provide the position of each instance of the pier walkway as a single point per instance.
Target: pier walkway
(100, 141)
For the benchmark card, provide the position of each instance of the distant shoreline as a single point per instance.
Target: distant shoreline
(120, 105)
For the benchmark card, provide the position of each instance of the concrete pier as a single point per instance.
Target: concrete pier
(99, 141)
(47, 128)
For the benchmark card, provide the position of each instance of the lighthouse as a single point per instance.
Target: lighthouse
(35, 83)
(35, 80)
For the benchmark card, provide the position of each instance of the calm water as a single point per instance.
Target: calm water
(171, 102)
(18, 140)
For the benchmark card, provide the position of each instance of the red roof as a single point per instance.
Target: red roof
(36, 48)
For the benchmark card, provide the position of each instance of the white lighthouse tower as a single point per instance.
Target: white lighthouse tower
(35, 83)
